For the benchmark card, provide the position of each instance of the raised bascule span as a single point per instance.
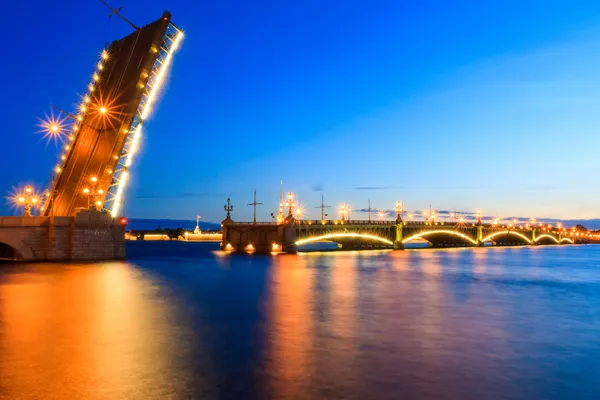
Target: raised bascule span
(79, 216)
(93, 169)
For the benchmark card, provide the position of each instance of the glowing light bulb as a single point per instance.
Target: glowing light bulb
(103, 110)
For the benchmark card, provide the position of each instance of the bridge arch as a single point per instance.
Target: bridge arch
(493, 235)
(569, 240)
(546, 236)
(9, 252)
(343, 235)
(422, 235)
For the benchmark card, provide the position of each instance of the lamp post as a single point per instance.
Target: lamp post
(95, 193)
(398, 210)
(228, 208)
(290, 204)
(343, 212)
(27, 200)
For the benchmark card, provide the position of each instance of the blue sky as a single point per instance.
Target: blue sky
(490, 105)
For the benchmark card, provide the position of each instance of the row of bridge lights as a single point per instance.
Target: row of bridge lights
(431, 217)
(54, 126)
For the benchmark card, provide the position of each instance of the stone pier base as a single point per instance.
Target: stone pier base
(90, 235)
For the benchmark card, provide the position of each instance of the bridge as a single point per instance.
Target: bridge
(292, 235)
(78, 215)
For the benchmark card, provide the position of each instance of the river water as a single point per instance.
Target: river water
(183, 321)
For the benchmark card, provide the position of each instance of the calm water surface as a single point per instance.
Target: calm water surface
(182, 321)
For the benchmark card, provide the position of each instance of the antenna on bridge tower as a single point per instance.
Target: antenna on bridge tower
(116, 12)
(322, 207)
(255, 204)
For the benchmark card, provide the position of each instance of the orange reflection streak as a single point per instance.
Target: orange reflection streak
(291, 326)
(343, 311)
(93, 331)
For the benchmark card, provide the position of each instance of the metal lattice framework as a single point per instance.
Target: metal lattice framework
(114, 198)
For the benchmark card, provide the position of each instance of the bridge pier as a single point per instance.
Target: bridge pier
(398, 245)
(89, 235)
(260, 237)
(479, 235)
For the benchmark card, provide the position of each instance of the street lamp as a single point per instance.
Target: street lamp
(86, 191)
(399, 210)
(289, 203)
(343, 212)
(27, 200)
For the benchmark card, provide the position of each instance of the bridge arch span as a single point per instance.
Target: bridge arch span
(10, 250)
(493, 235)
(422, 235)
(341, 235)
(566, 240)
(537, 239)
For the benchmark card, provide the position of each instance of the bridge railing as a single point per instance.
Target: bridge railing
(345, 222)
(257, 223)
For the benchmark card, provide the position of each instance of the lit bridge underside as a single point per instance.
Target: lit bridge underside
(377, 234)
(296, 235)
(106, 131)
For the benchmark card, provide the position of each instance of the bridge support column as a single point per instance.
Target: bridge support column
(479, 234)
(398, 245)
(533, 243)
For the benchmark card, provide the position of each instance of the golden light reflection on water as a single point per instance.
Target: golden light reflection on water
(90, 332)
(291, 326)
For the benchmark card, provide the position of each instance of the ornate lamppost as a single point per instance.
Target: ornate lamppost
(399, 211)
(290, 204)
(228, 208)
(27, 200)
(343, 212)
